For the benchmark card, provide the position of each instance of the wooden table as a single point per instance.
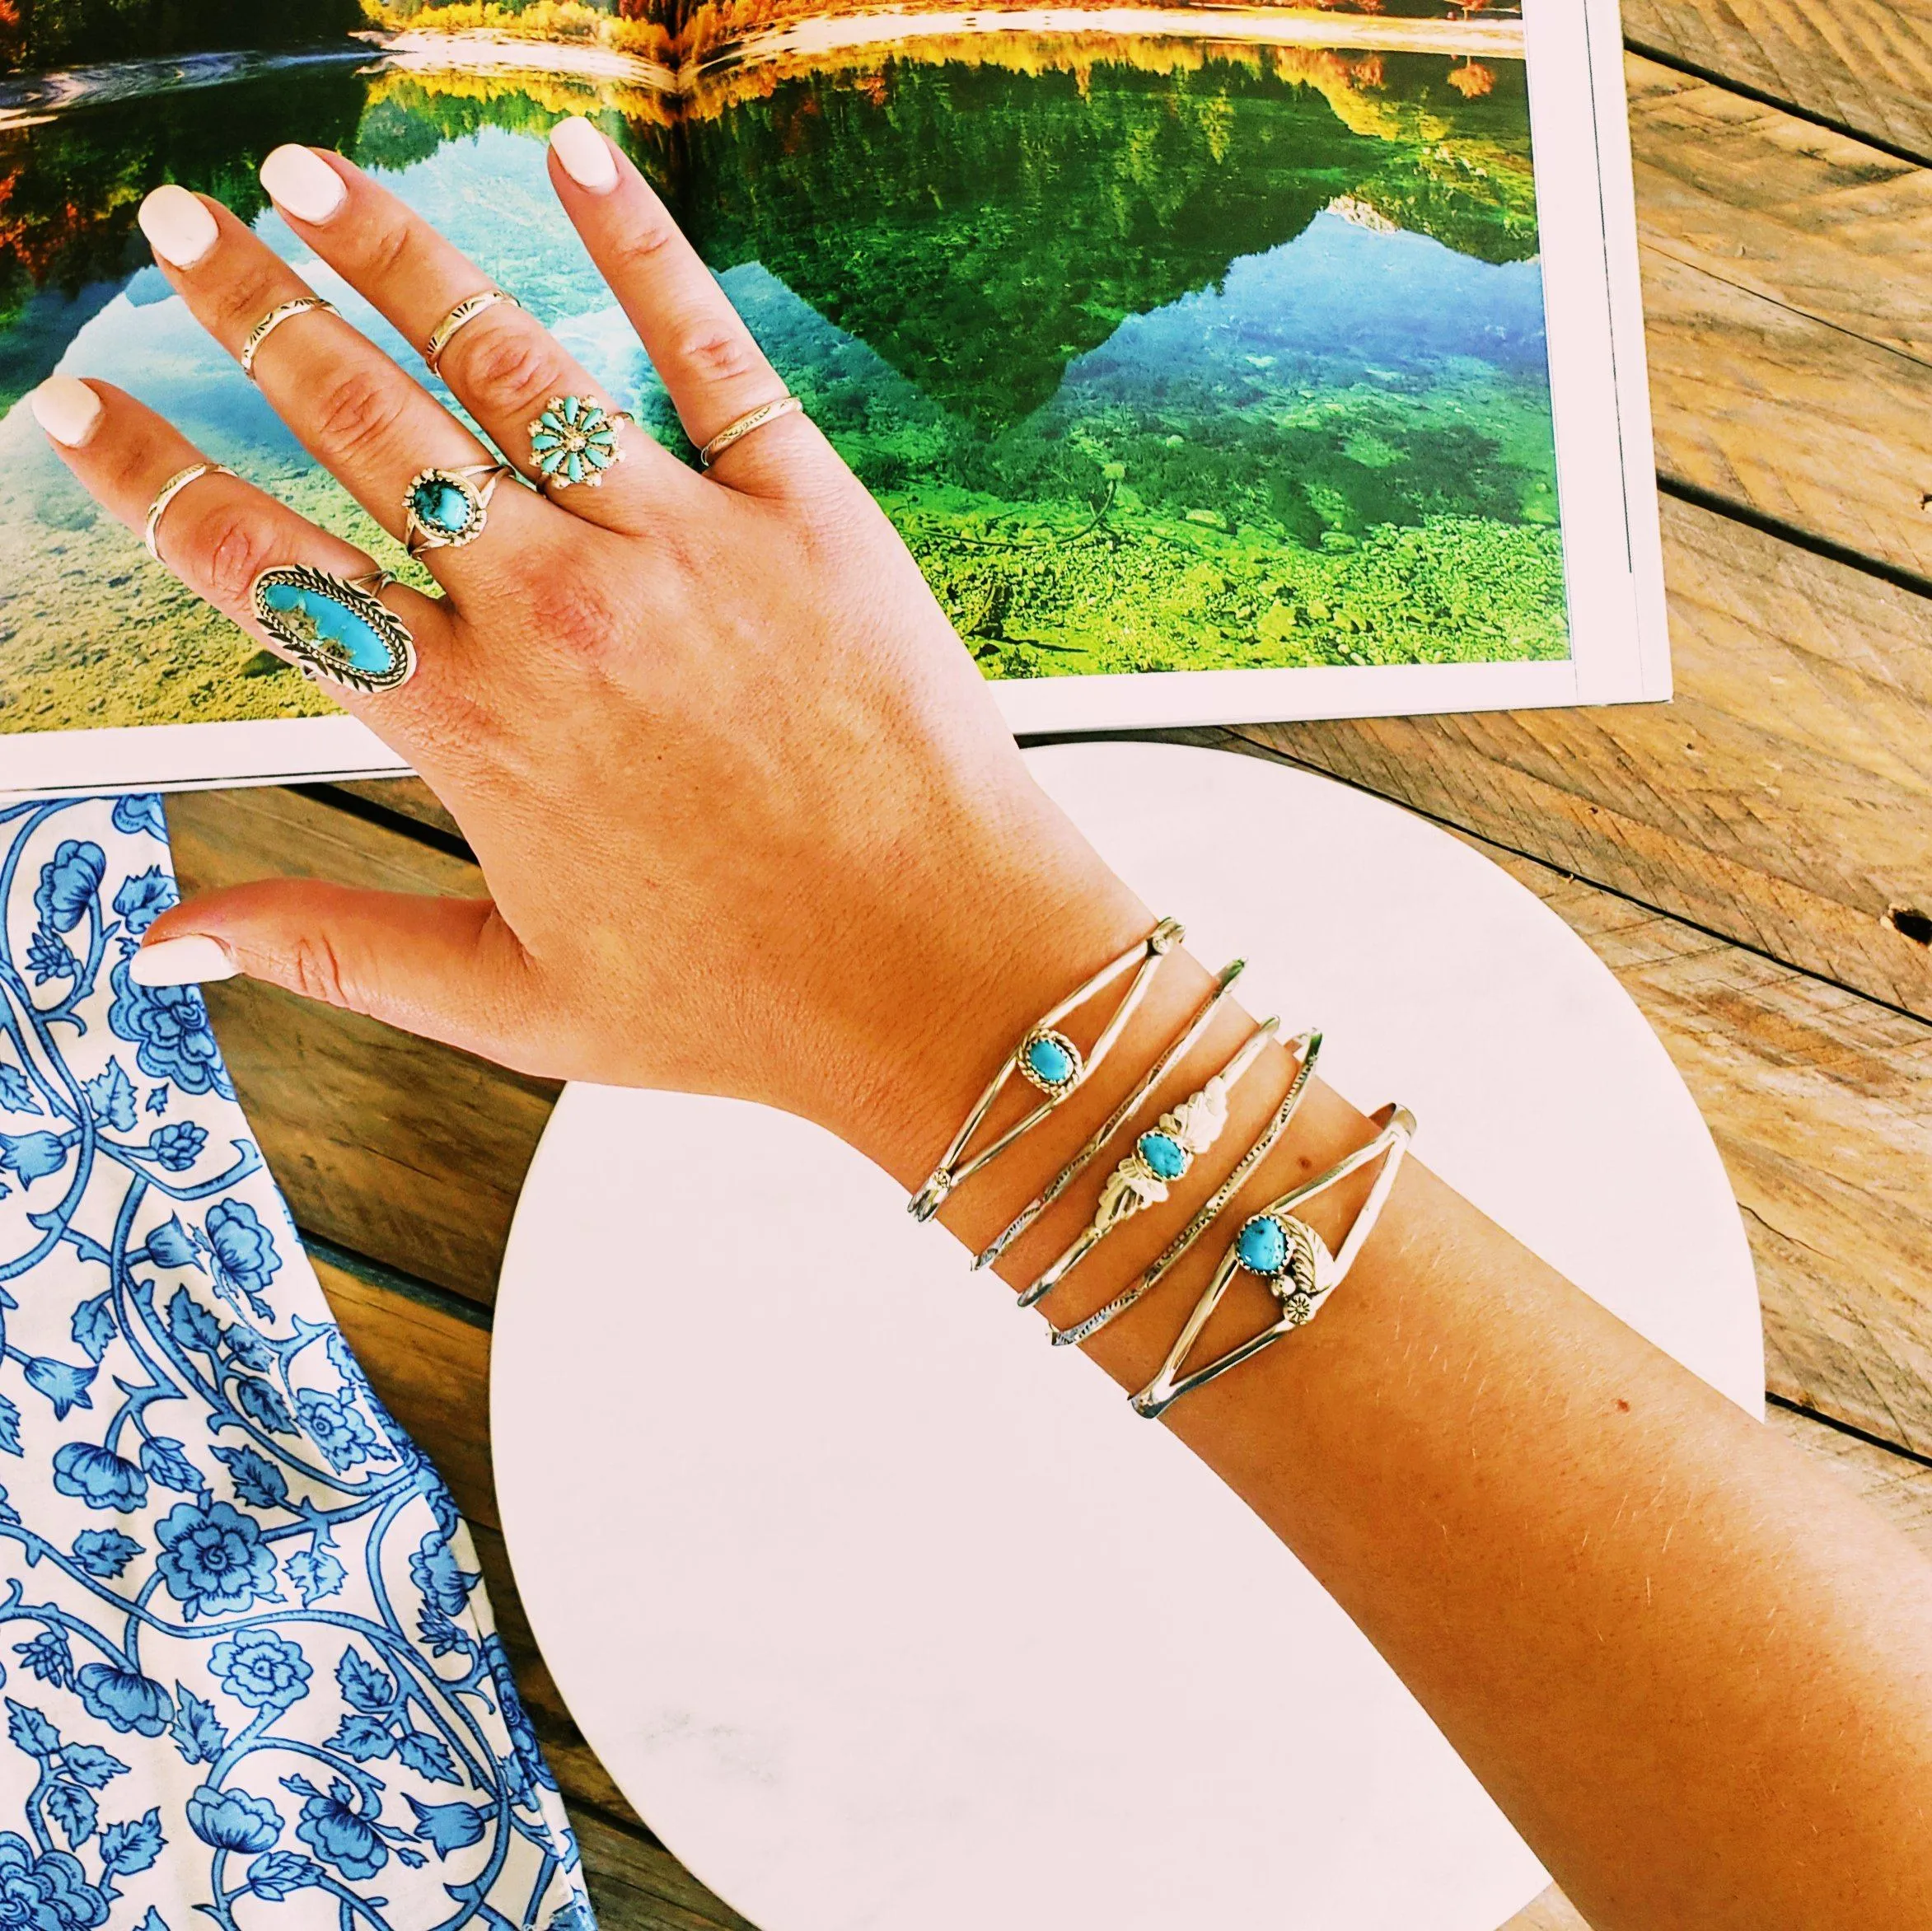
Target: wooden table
(1753, 861)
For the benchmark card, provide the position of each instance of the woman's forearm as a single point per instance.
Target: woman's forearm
(1698, 1682)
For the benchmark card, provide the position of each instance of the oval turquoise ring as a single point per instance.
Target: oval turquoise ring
(335, 627)
(444, 509)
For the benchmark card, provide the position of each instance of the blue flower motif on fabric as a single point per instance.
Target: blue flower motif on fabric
(168, 1025)
(240, 1593)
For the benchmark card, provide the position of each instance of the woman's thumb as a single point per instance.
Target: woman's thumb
(449, 968)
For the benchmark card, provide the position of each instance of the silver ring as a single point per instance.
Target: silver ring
(444, 509)
(335, 627)
(286, 311)
(166, 494)
(753, 419)
(465, 311)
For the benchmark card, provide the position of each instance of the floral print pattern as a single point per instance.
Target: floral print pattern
(246, 1658)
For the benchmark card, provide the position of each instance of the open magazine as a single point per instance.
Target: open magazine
(1217, 363)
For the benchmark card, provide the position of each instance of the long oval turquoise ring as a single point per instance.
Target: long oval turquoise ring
(575, 440)
(335, 627)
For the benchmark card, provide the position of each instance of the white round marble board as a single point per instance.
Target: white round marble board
(885, 1615)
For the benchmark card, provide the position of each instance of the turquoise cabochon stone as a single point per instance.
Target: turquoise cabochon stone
(360, 644)
(1163, 1154)
(1263, 1246)
(1051, 1061)
(441, 505)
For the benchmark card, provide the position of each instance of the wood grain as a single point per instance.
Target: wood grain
(384, 1143)
(1784, 798)
(1817, 1099)
(430, 1367)
(1776, 205)
(1865, 65)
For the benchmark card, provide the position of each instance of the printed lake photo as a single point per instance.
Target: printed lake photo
(1171, 339)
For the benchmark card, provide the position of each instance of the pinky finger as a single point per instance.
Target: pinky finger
(219, 535)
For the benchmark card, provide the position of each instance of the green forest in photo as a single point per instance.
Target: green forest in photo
(1161, 354)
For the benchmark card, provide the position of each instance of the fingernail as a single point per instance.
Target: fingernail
(186, 961)
(585, 155)
(70, 412)
(301, 184)
(178, 227)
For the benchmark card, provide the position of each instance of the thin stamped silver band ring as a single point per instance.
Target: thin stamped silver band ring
(465, 311)
(166, 494)
(742, 426)
(285, 311)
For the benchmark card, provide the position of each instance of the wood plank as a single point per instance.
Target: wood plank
(430, 1368)
(1899, 1488)
(385, 1144)
(1784, 798)
(1776, 205)
(1863, 64)
(1817, 1100)
(634, 1883)
(1790, 417)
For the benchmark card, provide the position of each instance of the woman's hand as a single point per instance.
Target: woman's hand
(751, 822)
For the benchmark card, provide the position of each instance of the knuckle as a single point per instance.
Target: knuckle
(356, 414)
(509, 370)
(314, 971)
(573, 612)
(386, 246)
(642, 245)
(254, 290)
(721, 355)
(235, 546)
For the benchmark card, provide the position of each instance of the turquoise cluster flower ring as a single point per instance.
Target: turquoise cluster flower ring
(575, 440)
(336, 628)
(444, 509)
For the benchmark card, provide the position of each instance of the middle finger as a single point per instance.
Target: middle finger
(351, 407)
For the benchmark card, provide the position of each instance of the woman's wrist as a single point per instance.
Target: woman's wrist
(1325, 1127)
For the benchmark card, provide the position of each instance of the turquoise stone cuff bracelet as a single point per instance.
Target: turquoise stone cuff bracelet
(1307, 1048)
(1159, 1157)
(1050, 1062)
(1290, 1257)
(1168, 1060)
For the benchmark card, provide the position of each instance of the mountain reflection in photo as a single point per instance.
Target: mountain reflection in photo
(1164, 352)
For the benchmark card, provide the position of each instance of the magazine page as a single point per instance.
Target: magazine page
(1201, 354)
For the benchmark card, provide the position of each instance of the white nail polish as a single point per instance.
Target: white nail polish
(178, 227)
(585, 155)
(187, 961)
(70, 412)
(301, 184)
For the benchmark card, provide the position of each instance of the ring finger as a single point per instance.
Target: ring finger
(375, 430)
(502, 364)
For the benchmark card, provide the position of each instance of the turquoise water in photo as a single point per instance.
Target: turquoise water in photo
(1156, 365)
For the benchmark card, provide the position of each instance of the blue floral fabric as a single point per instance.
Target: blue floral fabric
(246, 1665)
